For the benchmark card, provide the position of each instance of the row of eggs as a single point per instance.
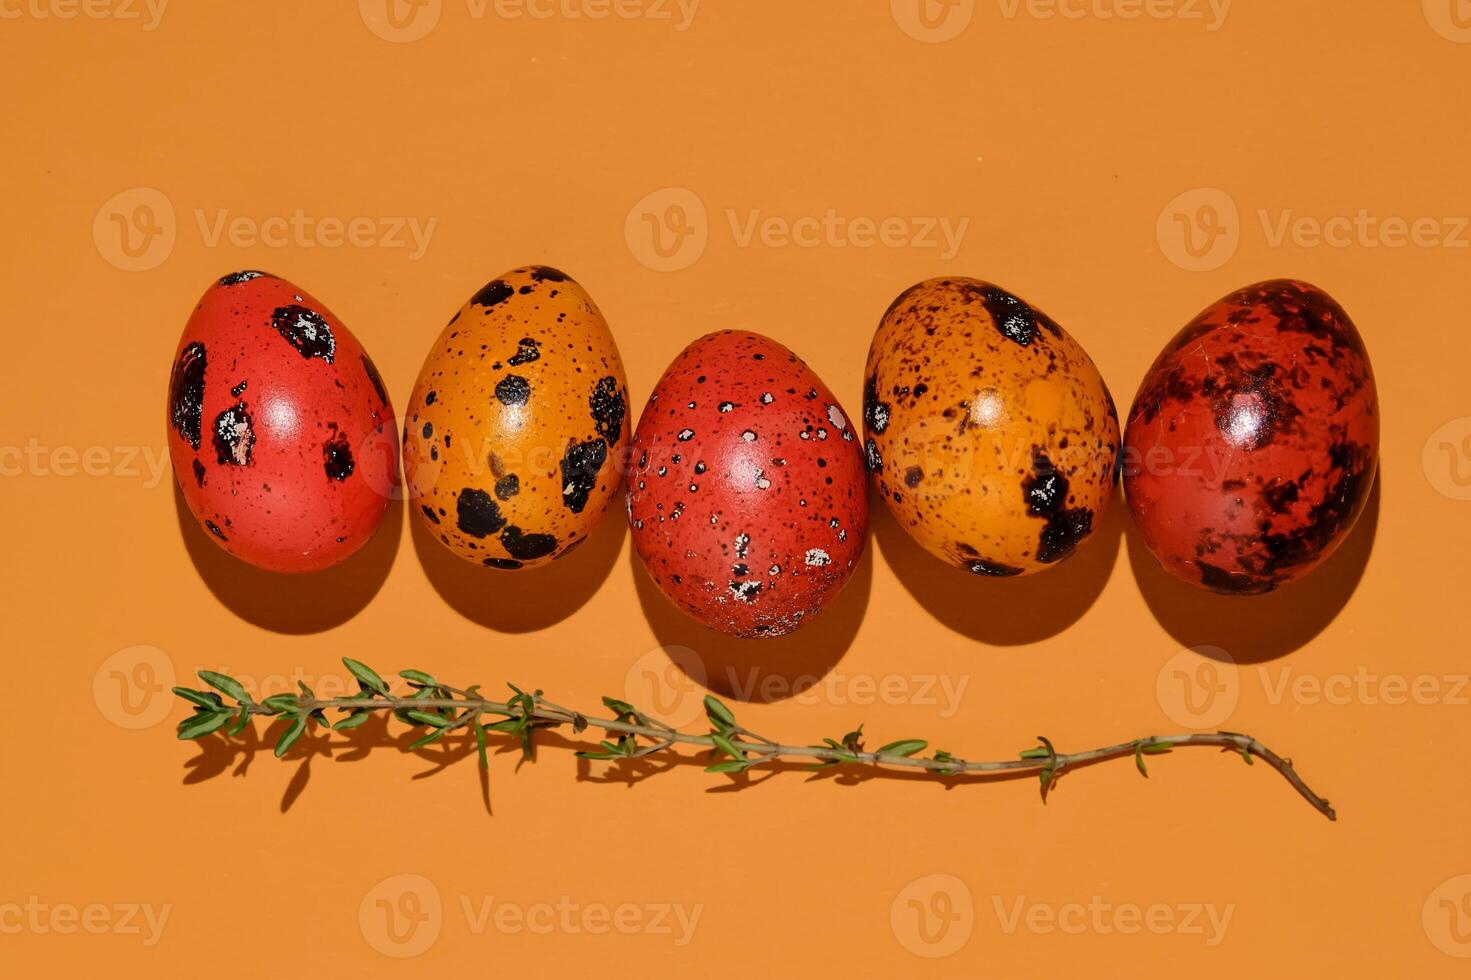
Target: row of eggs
(986, 430)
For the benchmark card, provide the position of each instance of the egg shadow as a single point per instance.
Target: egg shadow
(1003, 611)
(525, 599)
(285, 603)
(763, 669)
(1255, 629)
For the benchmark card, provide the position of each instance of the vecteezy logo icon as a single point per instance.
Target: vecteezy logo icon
(933, 916)
(667, 682)
(1199, 230)
(932, 21)
(1447, 917)
(1199, 687)
(1447, 459)
(401, 916)
(668, 229)
(135, 229)
(401, 21)
(1451, 19)
(131, 687)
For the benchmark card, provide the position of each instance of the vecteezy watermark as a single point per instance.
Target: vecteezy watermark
(145, 13)
(404, 915)
(668, 230)
(136, 230)
(932, 21)
(1446, 917)
(33, 459)
(933, 916)
(132, 688)
(936, 21)
(1447, 459)
(1207, 921)
(1200, 688)
(1451, 19)
(405, 21)
(38, 917)
(1209, 13)
(669, 683)
(936, 915)
(1201, 229)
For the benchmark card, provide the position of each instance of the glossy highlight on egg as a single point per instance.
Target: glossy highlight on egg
(988, 431)
(516, 428)
(747, 496)
(280, 430)
(1253, 441)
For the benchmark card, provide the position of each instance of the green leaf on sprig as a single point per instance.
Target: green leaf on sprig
(298, 725)
(418, 677)
(277, 703)
(204, 699)
(352, 721)
(433, 736)
(727, 746)
(226, 683)
(479, 730)
(366, 676)
(241, 720)
(718, 713)
(427, 718)
(618, 706)
(201, 724)
(731, 765)
(905, 747)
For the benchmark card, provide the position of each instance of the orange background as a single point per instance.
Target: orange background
(1064, 142)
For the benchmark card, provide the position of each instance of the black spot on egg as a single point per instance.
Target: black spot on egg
(513, 390)
(494, 292)
(507, 486)
(580, 465)
(186, 393)
(875, 410)
(198, 471)
(1046, 491)
(545, 273)
(1016, 321)
(337, 458)
(234, 436)
(527, 546)
(871, 457)
(477, 514)
(306, 330)
(608, 407)
(506, 563)
(244, 275)
(429, 513)
(527, 350)
(375, 379)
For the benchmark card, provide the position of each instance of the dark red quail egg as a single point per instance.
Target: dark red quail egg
(1252, 443)
(279, 427)
(747, 495)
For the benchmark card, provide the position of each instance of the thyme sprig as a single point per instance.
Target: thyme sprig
(439, 710)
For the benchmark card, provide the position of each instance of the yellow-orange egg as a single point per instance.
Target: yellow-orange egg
(514, 433)
(988, 430)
